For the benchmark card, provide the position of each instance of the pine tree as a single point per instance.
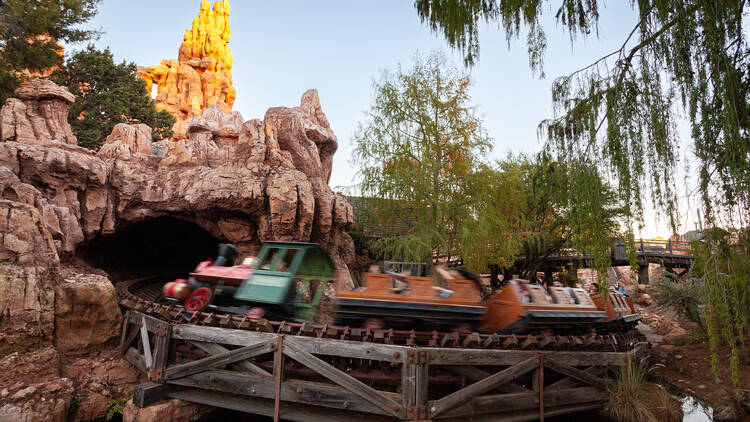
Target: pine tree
(107, 94)
(29, 34)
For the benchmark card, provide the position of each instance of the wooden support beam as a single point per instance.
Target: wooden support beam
(568, 382)
(574, 373)
(264, 407)
(149, 393)
(475, 374)
(222, 359)
(146, 345)
(215, 349)
(125, 343)
(493, 405)
(245, 386)
(295, 350)
(442, 356)
(478, 388)
(136, 359)
(316, 345)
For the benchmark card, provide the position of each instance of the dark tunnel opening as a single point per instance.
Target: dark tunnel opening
(163, 246)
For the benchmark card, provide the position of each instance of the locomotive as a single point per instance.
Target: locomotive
(287, 281)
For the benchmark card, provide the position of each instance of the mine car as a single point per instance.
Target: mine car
(519, 306)
(619, 309)
(402, 301)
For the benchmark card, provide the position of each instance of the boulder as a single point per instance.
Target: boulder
(126, 140)
(38, 112)
(27, 303)
(86, 312)
(677, 336)
(165, 411)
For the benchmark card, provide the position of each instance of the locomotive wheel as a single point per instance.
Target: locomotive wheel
(198, 299)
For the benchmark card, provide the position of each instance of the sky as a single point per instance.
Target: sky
(283, 48)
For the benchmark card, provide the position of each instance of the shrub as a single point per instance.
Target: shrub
(633, 399)
(683, 296)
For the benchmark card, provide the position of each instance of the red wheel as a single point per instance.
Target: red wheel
(198, 299)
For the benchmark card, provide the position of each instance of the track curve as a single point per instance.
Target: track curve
(145, 295)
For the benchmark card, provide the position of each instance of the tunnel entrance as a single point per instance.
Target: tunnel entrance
(162, 246)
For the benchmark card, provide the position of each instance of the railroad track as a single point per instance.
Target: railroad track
(144, 294)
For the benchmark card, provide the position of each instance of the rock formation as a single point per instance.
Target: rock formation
(201, 76)
(38, 113)
(235, 180)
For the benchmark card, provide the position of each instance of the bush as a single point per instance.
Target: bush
(633, 399)
(683, 296)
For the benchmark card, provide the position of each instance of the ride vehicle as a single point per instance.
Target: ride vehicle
(285, 281)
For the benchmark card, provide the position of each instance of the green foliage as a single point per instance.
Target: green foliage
(682, 295)
(30, 31)
(723, 266)
(524, 210)
(108, 94)
(682, 58)
(417, 153)
(116, 407)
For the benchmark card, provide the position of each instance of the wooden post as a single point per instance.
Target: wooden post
(278, 370)
(541, 387)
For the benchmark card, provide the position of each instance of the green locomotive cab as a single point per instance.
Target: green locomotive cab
(288, 277)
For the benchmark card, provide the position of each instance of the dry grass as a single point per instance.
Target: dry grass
(633, 399)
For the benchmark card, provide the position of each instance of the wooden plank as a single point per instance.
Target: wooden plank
(232, 337)
(161, 355)
(467, 393)
(408, 384)
(264, 407)
(294, 350)
(575, 373)
(422, 383)
(124, 332)
(220, 360)
(303, 392)
(321, 346)
(444, 356)
(568, 382)
(136, 359)
(130, 339)
(500, 415)
(150, 322)
(215, 349)
(517, 402)
(146, 345)
(474, 374)
(148, 393)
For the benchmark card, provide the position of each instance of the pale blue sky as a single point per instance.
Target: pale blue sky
(282, 48)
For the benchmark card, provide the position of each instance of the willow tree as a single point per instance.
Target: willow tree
(416, 153)
(686, 57)
(526, 211)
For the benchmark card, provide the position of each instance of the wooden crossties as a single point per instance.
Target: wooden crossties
(295, 376)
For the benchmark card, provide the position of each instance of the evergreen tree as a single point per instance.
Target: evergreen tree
(108, 94)
(417, 153)
(29, 34)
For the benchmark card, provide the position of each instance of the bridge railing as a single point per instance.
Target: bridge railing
(654, 247)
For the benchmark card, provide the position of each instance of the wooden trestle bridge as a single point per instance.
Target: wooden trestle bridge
(315, 373)
(672, 255)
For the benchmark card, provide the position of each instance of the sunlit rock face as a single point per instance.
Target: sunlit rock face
(201, 76)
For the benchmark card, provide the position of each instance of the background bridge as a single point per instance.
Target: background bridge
(675, 256)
